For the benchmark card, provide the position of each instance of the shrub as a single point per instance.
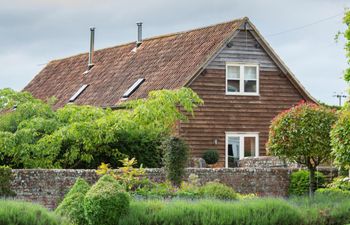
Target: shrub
(340, 139)
(333, 193)
(105, 202)
(218, 191)
(34, 135)
(301, 135)
(72, 205)
(299, 182)
(24, 213)
(175, 159)
(5, 182)
(203, 212)
(342, 183)
(132, 178)
(211, 156)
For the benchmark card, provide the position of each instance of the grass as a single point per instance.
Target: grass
(24, 213)
(267, 211)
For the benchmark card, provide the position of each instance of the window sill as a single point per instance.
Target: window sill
(242, 94)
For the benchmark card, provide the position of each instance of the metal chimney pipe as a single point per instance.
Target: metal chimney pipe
(139, 34)
(91, 52)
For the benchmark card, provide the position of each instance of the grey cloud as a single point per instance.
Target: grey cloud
(34, 32)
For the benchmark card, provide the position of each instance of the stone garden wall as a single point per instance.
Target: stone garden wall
(265, 176)
(48, 187)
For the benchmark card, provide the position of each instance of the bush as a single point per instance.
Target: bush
(34, 135)
(105, 202)
(341, 182)
(211, 156)
(175, 159)
(299, 182)
(340, 139)
(218, 191)
(203, 212)
(333, 193)
(24, 213)
(5, 182)
(72, 205)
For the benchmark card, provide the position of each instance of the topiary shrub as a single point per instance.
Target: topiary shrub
(175, 159)
(5, 182)
(72, 205)
(299, 182)
(105, 202)
(211, 156)
(218, 191)
(301, 135)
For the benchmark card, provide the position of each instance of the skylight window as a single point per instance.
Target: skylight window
(76, 95)
(133, 88)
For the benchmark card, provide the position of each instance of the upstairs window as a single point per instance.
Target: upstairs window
(242, 79)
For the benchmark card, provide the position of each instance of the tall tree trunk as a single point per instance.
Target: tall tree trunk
(312, 185)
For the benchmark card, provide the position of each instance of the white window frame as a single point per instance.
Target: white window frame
(241, 79)
(241, 136)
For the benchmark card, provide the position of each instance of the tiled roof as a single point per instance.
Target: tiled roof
(166, 62)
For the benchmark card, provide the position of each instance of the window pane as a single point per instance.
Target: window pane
(233, 151)
(250, 72)
(233, 72)
(233, 86)
(249, 146)
(250, 86)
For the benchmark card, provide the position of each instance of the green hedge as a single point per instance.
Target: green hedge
(105, 202)
(72, 204)
(299, 182)
(24, 213)
(262, 212)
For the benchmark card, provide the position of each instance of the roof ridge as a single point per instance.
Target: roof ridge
(155, 37)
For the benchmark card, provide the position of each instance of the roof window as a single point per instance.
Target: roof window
(76, 95)
(133, 88)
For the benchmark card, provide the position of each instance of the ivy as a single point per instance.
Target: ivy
(5, 182)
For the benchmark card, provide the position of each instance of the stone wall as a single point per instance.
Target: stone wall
(48, 187)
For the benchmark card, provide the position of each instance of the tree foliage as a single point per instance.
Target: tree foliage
(34, 135)
(301, 135)
(340, 140)
(346, 34)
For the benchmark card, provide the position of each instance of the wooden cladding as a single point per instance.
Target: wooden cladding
(228, 113)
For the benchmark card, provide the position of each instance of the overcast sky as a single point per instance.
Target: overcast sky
(33, 32)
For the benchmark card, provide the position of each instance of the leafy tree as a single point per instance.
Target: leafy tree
(301, 135)
(346, 34)
(340, 140)
(33, 135)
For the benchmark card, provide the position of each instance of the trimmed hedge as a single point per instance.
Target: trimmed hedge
(299, 182)
(24, 213)
(105, 202)
(72, 204)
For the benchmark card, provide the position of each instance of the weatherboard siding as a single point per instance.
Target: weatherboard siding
(227, 113)
(244, 48)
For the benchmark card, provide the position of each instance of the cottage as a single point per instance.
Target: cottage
(242, 81)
